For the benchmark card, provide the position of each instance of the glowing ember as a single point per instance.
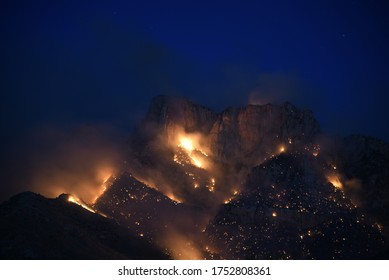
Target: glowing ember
(379, 227)
(274, 214)
(282, 149)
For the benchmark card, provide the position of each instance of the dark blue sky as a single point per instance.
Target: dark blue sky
(66, 64)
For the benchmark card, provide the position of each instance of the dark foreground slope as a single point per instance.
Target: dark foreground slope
(34, 227)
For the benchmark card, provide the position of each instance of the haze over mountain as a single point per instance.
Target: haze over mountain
(255, 182)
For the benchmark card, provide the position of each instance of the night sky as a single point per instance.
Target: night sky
(66, 65)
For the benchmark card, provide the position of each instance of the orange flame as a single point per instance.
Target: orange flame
(191, 145)
(335, 181)
(79, 202)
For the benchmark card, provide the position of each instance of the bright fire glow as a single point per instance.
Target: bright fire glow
(186, 143)
(335, 181)
(103, 176)
(282, 149)
(196, 161)
(228, 200)
(79, 202)
(182, 248)
(191, 147)
(172, 197)
(274, 214)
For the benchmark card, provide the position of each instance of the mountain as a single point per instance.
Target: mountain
(289, 210)
(35, 227)
(261, 160)
(255, 182)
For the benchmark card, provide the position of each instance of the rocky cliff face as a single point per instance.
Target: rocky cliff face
(234, 140)
(255, 131)
(169, 115)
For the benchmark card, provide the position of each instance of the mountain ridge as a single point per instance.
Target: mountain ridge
(193, 179)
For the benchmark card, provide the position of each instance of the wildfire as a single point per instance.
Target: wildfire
(197, 162)
(335, 181)
(211, 187)
(79, 202)
(234, 193)
(186, 143)
(183, 248)
(172, 197)
(104, 176)
(190, 146)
